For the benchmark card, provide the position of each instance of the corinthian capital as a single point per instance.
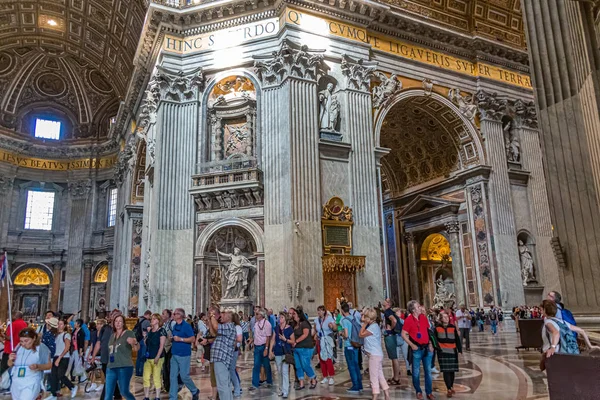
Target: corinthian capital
(291, 60)
(358, 73)
(525, 114)
(490, 106)
(176, 85)
(80, 189)
(452, 227)
(6, 184)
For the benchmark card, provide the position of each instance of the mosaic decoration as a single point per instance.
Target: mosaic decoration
(436, 248)
(481, 241)
(101, 275)
(32, 276)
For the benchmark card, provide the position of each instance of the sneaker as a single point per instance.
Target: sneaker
(434, 370)
(331, 382)
(285, 396)
(324, 381)
(352, 391)
(74, 392)
(93, 387)
(252, 388)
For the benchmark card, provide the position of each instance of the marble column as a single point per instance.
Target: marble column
(171, 222)
(506, 263)
(55, 296)
(566, 80)
(87, 287)
(363, 177)
(6, 187)
(109, 261)
(453, 230)
(412, 265)
(293, 245)
(79, 192)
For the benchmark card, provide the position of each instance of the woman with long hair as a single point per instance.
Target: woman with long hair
(450, 345)
(28, 361)
(303, 348)
(120, 363)
(60, 363)
(371, 333)
(77, 344)
(155, 344)
(281, 350)
(325, 328)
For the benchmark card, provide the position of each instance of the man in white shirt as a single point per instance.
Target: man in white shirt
(463, 318)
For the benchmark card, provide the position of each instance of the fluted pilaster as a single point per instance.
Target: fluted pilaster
(565, 76)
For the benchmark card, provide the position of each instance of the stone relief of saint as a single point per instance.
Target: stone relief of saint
(236, 274)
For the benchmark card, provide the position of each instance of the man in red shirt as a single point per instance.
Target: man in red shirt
(415, 332)
(17, 326)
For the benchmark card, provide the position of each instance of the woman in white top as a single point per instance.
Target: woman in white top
(371, 333)
(29, 359)
(61, 362)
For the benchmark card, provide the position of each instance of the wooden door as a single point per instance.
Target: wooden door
(337, 283)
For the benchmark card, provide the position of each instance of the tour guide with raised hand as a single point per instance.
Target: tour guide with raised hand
(416, 333)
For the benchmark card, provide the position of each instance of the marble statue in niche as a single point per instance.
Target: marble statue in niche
(329, 109)
(442, 294)
(527, 268)
(236, 274)
(512, 145)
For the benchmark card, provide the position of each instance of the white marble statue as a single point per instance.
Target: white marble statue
(466, 105)
(236, 274)
(329, 109)
(442, 294)
(527, 271)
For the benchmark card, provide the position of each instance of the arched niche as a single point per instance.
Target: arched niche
(31, 289)
(99, 283)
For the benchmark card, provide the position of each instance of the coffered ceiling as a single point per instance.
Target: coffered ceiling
(498, 20)
(102, 33)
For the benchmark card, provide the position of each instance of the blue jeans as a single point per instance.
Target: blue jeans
(351, 355)
(261, 361)
(425, 356)
(302, 358)
(180, 365)
(141, 359)
(120, 376)
(233, 375)
(494, 325)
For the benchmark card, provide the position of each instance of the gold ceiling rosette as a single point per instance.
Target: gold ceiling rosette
(343, 263)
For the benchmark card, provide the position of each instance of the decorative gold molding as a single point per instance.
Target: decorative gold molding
(338, 262)
(32, 276)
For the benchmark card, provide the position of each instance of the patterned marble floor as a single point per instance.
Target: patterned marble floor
(493, 369)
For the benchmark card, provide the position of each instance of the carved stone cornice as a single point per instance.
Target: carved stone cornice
(26, 147)
(490, 106)
(291, 60)
(358, 73)
(6, 184)
(386, 89)
(452, 227)
(80, 190)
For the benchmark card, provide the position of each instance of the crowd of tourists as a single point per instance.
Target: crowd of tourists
(60, 351)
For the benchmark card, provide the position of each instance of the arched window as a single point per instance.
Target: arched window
(101, 275)
(32, 276)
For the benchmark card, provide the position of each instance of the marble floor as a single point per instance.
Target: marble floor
(493, 369)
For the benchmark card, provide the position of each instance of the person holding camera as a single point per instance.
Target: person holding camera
(222, 350)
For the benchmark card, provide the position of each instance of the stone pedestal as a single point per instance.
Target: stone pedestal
(534, 294)
(246, 305)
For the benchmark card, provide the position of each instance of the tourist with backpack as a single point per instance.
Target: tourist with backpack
(352, 344)
(493, 317)
(390, 340)
(141, 330)
(558, 336)
(371, 333)
(561, 312)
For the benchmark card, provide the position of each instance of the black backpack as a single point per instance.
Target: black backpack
(139, 332)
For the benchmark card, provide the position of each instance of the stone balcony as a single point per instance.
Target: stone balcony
(228, 184)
